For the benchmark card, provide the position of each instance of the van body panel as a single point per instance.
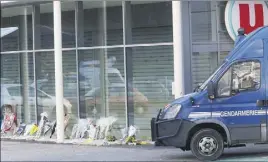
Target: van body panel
(240, 112)
(266, 79)
(200, 110)
(233, 109)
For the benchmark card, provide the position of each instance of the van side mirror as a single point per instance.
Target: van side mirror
(211, 90)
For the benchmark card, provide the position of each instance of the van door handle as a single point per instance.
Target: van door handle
(262, 103)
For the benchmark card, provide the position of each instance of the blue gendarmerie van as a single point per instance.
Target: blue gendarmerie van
(228, 110)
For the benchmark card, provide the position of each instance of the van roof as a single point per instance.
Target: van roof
(262, 32)
(258, 34)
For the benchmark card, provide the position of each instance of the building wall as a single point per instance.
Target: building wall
(138, 36)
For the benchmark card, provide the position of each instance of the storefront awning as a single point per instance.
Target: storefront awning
(6, 31)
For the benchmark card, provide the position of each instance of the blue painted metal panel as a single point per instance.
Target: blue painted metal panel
(266, 64)
(266, 77)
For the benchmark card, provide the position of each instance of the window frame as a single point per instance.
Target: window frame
(231, 67)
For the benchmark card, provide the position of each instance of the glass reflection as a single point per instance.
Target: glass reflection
(16, 28)
(16, 92)
(102, 85)
(152, 75)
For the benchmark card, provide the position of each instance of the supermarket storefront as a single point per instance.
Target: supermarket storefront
(118, 57)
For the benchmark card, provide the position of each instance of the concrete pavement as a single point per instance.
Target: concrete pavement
(23, 151)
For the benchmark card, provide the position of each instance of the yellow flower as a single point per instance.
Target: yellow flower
(33, 130)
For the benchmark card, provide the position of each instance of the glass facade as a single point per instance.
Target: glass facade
(117, 57)
(210, 40)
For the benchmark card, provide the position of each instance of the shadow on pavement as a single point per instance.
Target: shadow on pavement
(247, 153)
(253, 153)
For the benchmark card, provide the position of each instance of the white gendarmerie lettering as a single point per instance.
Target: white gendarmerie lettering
(240, 113)
(217, 114)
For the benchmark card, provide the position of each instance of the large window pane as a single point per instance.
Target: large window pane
(17, 76)
(99, 23)
(102, 86)
(44, 29)
(70, 83)
(201, 21)
(114, 18)
(68, 24)
(46, 86)
(208, 26)
(226, 43)
(10, 77)
(91, 24)
(45, 82)
(152, 76)
(223, 34)
(28, 89)
(203, 65)
(148, 22)
(16, 29)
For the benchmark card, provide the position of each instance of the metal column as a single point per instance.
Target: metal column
(182, 47)
(127, 23)
(25, 65)
(101, 38)
(79, 14)
(36, 57)
(58, 70)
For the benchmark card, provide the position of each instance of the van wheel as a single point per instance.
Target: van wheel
(207, 145)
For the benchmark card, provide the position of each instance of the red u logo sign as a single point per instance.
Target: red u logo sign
(245, 17)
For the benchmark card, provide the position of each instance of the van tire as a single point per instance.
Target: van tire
(207, 145)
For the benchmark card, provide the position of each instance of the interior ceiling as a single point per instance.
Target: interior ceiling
(66, 6)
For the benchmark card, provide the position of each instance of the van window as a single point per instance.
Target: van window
(224, 85)
(240, 77)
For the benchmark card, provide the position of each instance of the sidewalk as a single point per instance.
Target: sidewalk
(89, 142)
(25, 151)
(31, 151)
(246, 159)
